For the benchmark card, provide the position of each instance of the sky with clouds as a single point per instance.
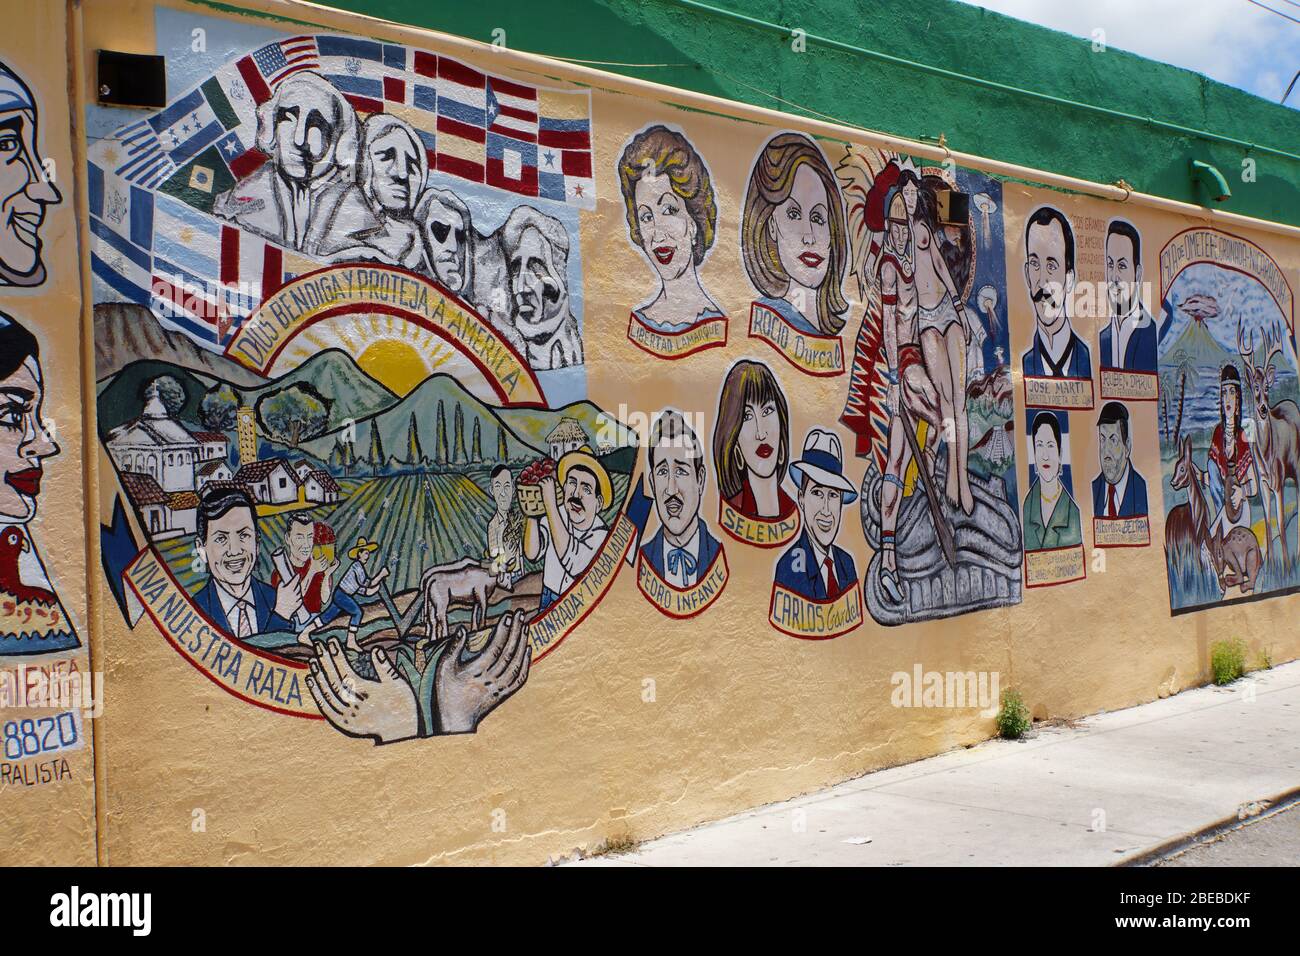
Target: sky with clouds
(1232, 41)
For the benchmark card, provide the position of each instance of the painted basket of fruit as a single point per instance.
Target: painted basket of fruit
(530, 486)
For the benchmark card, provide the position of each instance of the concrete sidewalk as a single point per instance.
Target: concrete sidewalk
(1109, 788)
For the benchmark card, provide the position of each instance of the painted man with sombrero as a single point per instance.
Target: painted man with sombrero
(814, 567)
(354, 584)
(570, 533)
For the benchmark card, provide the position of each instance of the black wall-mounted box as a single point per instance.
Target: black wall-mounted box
(132, 79)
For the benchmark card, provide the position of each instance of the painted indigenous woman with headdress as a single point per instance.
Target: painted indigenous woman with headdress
(1230, 460)
(32, 619)
(793, 236)
(671, 218)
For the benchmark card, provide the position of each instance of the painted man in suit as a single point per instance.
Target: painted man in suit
(1128, 340)
(232, 598)
(1119, 491)
(682, 550)
(814, 567)
(1057, 352)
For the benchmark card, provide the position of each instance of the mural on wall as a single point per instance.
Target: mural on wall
(682, 568)
(794, 245)
(27, 188)
(751, 452)
(268, 171)
(815, 593)
(1229, 421)
(334, 358)
(672, 217)
(1126, 341)
(930, 366)
(1057, 366)
(32, 618)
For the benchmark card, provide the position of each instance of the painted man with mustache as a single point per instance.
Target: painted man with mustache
(233, 599)
(571, 532)
(24, 191)
(682, 550)
(32, 620)
(1057, 351)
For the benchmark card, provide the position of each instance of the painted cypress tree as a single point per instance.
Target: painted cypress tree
(376, 450)
(503, 452)
(440, 449)
(476, 446)
(458, 450)
(413, 453)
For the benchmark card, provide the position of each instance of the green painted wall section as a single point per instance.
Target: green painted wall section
(713, 53)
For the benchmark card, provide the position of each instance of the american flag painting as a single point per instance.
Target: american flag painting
(265, 68)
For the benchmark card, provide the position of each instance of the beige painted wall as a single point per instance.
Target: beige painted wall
(740, 715)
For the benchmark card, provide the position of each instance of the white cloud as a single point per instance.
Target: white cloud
(1231, 41)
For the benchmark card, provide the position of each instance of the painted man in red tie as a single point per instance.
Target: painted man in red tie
(1119, 491)
(815, 567)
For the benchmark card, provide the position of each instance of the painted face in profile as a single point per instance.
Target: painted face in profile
(760, 438)
(24, 441)
(801, 227)
(667, 229)
(1047, 455)
(444, 235)
(822, 508)
(24, 196)
(395, 171)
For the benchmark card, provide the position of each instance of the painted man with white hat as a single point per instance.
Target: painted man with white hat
(814, 567)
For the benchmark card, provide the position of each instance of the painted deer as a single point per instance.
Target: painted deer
(1236, 558)
(1277, 433)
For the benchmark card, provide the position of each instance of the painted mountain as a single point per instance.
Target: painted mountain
(123, 332)
(351, 393)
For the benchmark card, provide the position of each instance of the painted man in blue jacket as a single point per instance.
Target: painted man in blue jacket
(232, 598)
(682, 550)
(1057, 352)
(1119, 491)
(1128, 340)
(814, 567)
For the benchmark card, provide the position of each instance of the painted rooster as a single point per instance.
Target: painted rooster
(12, 544)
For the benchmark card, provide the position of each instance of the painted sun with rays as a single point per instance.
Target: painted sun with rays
(397, 353)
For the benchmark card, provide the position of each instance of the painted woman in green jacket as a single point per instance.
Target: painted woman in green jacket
(1051, 518)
